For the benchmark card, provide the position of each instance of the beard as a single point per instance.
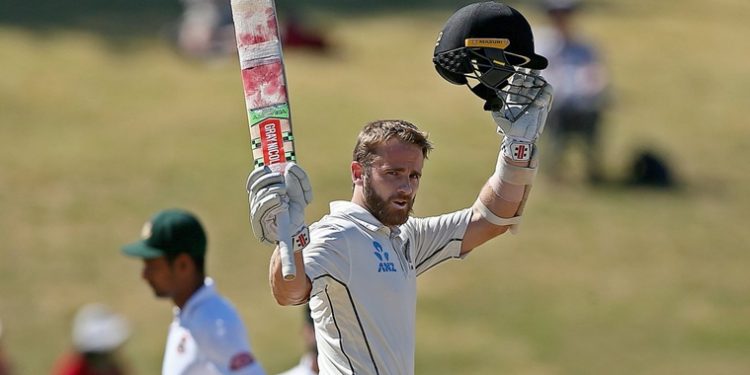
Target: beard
(383, 210)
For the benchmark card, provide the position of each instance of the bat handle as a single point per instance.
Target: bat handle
(286, 248)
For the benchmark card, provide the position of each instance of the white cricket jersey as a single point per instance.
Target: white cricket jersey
(363, 297)
(207, 337)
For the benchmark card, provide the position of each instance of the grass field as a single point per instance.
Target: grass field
(99, 128)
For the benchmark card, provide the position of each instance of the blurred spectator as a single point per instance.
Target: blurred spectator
(206, 28)
(4, 362)
(580, 81)
(296, 34)
(97, 335)
(308, 365)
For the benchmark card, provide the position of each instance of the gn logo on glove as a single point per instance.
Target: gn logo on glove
(385, 265)
(520, 151)
(301, 238)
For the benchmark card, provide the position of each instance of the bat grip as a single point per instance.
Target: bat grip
(286, 248)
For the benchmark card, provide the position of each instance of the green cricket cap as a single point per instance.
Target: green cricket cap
(169, 232)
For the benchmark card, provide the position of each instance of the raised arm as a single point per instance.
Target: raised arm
(269, 193)
(500, 203)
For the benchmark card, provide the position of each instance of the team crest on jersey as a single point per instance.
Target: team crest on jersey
(384, 265)
(241, 360)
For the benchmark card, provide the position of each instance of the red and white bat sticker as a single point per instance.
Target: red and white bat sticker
(272, 142)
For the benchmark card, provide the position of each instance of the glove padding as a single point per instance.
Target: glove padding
(271, 193)
(519, 119)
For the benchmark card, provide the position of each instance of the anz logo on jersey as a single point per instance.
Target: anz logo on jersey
(384, 265)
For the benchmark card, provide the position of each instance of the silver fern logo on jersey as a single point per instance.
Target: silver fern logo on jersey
(384, 265)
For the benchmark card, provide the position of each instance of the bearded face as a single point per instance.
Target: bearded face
(390, 209)
(387, 184)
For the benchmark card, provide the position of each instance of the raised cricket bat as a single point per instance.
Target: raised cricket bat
(264, 81)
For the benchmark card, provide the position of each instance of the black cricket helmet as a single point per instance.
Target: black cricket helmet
(487, 42)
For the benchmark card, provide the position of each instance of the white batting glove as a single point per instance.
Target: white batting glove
(271, 193)
(522, 122)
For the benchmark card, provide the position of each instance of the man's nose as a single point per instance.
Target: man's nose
(406, 186)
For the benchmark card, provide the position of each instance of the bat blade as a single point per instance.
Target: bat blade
(266, 100)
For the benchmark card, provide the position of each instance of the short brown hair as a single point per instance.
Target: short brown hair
(378, 132)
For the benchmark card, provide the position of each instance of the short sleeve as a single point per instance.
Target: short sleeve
(437, 238)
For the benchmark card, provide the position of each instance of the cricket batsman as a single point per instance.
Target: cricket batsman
(357, 266)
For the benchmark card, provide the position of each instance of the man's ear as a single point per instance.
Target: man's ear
(184, 262)
(358, 172)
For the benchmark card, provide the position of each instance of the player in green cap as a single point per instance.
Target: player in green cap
(207, 335)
